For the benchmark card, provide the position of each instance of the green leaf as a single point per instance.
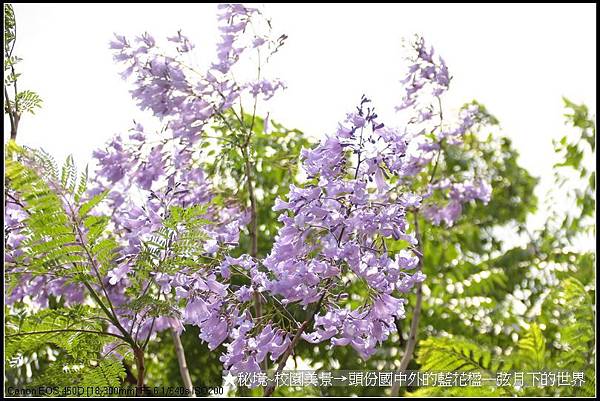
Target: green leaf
(107, 373)
(27, 101)
(532, 348)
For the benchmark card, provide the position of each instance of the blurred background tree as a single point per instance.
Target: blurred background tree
(530, 307)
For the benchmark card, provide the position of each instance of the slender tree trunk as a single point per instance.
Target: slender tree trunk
(183, 368)
(13, 128)
(412, 339)
(253, 225)
(141, 370)
(414, 325)
(253, 229)
(12, 115)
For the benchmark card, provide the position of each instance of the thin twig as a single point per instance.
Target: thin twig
(283, 360)
(30, 333)
(183, 368)
(414, 325)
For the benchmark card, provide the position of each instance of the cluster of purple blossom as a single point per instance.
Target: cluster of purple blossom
(335, 230)
(140, 205)
(338, 227)
(185, 97)
(426, 77)
(459, 193)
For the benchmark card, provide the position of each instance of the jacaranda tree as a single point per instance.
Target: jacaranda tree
(227, 242)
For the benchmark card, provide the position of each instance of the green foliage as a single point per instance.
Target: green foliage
(27, 101)
(580, 118)
(69, 337)
(573, 177)
(9, 26)
(107, 373)
(532, 349)
(470, 274)
(94, 375)
(55, 242)
(56, 248)
(449, 354)
(573, 352)
(569, 312)
(51, 324)
(274, 160)
(559, 319)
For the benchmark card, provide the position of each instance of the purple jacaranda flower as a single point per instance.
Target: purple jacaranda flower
(119, 273)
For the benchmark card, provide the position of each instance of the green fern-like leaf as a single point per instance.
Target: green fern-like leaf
(56, 243)
(57, 328)
(9, 26)
(577, 328)
(27, 101)
(107, 373)
(457, 354)
(532, 348)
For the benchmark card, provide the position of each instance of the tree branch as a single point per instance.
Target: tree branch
(141, 370)
(253, 225)
(183, 369)
(414, 325)
(282, 361)
(31, 333)
(12, 115)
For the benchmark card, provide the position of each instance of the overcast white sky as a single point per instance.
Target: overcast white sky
(519, 60)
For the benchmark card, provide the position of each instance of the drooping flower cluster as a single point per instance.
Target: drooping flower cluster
(427, 80)
(184, 96)
(427, 76)
(338, 227)
(245, 353)
(459, 193)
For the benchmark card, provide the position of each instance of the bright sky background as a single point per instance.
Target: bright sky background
(518, 60)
